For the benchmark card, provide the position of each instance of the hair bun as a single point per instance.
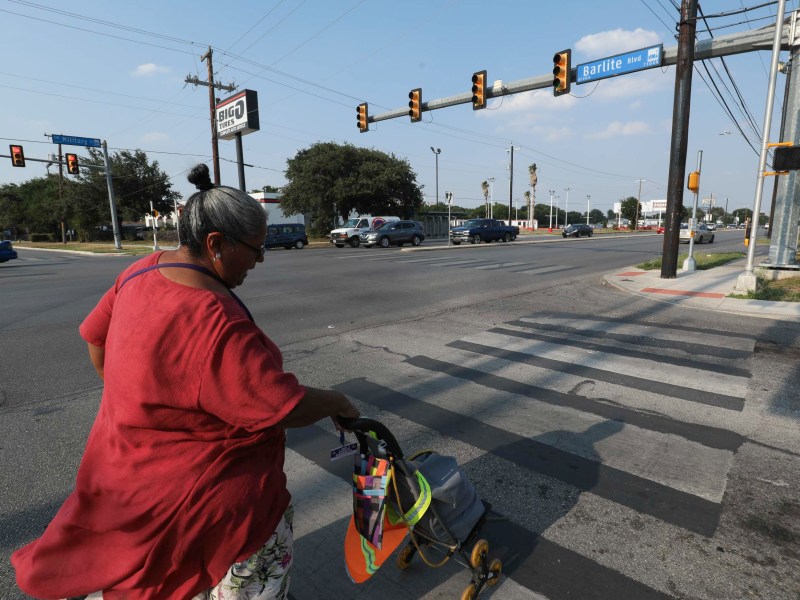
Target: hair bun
(200, 177)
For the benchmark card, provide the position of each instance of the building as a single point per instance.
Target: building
(271, 203)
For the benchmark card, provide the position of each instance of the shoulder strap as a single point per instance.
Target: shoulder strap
(197, 268)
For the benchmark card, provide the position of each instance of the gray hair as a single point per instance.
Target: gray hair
(224, 209)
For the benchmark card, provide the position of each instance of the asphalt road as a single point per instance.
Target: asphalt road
(634, 449)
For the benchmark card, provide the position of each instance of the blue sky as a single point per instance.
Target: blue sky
(116, 71)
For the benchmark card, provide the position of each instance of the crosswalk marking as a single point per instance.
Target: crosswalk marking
(542, 270)
(608, 412)
(503, 265)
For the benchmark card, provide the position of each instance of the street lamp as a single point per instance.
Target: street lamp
(588, 197)
(436, 153)
(566, 208)
(491, 197)
(551, 207)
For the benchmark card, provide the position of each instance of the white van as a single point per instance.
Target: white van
(350, 232)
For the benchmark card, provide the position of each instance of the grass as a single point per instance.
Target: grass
(781, 290)
(136, 248)
(702, 261)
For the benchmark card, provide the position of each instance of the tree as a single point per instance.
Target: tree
(611, 215)
(596, 215)
(267, 189)
(485, 190)
(33, 206)
(330, 180)
(137, 182)
(534, 180)
(630, 208)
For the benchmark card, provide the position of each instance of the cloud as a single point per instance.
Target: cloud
(148, 70)
(155, 137)
(617, 128)
(615, 41)
(526, 102)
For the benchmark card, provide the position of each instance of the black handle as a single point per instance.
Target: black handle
(361, 426)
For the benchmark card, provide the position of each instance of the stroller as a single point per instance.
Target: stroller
(425, 496)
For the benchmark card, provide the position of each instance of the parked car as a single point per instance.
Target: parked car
(288, 235)
(394, 233)
(701, 234)
(660, 229)
(7, 251)
(577, 230)
(350, 232)
(711, 226)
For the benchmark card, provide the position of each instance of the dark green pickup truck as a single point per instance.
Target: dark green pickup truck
(476, 231)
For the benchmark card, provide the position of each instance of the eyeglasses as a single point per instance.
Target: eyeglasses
(260, 250)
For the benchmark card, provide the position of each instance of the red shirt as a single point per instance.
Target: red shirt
(182, 474)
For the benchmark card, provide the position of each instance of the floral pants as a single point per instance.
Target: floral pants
(263, 576)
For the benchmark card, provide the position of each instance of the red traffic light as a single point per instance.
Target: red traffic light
(17, 156)
(72, 164)
(415, 104)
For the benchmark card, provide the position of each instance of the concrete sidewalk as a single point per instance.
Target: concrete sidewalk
(708, 289)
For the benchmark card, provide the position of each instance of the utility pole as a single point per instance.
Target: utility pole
(588, 198)
(551, 208)
(212, 107)
(684, 66)
(511, 183)
(566, 207)
(60, 192)
(638, 204)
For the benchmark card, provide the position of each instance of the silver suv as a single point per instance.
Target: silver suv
(394, 233)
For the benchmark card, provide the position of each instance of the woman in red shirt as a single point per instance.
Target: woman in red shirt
(181, 491)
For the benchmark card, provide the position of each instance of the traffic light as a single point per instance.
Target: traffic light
(479, 90)
(17, 156)
(363, 117)
(72, 164)
(415, 105)
(561, 70)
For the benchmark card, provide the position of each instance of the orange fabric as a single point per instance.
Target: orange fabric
(361, 558)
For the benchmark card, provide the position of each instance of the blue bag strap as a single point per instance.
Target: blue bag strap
(197, 268)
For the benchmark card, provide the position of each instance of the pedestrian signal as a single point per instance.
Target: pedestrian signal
(17, 156)
(363, 117)
(479, 90)
(72, 164)
(415, 105)
(694, 181)
(787, 158)
(561, 72)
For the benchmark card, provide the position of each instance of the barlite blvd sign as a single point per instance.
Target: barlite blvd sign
(73, 140)
(646, 58)
(237, 114)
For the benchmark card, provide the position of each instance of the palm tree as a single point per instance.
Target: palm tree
(527, 195)
(485, 188)
(534, 180)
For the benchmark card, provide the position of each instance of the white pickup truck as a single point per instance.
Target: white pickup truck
(350, 232)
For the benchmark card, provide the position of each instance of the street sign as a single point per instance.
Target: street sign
(620, 64)
(72, 140)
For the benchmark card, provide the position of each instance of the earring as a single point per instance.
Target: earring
(217, 256)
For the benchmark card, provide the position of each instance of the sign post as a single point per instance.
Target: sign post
(449, 197)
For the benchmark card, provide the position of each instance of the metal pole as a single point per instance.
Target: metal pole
(680, 137)
(491, 198)
(551, 208)
(240, 161)
(689, 264)
(566, 207)
(510, 183)
(747, 280)
(436, 153)
(177, 220)
(638, 204)
(60, 193)
(155, 226)
(588, 197)
(111, 200)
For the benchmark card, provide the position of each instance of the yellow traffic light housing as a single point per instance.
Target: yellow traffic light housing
(694, 181)
(17, 156)
(479, 90)
(415, 105)
(561, 72)
(72, 164)
(363, 117)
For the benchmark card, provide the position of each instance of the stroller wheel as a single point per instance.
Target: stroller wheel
(470, 592)
(479, 552)
(495, 569)
(405, 556)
